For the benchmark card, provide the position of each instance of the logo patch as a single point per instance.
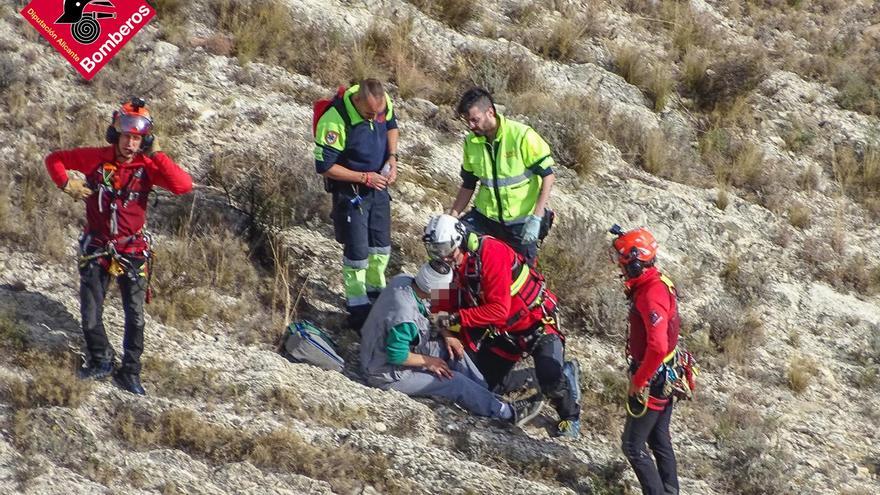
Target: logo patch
(88, 33)
(331, 137)
(655, 318)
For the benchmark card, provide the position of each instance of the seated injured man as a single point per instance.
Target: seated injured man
(401, 351)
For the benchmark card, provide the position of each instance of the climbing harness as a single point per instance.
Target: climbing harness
(528, 285)
(678, 374)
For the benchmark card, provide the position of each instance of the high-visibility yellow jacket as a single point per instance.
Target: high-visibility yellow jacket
(509, 170)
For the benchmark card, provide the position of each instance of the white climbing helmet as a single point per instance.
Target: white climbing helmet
(443, 234)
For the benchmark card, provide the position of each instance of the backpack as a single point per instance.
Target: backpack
(304, 342)
(320, 107)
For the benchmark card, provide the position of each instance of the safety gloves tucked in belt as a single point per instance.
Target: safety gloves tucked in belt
(77, 189)
(531, 229)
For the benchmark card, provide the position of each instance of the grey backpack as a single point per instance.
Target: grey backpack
(303, 342)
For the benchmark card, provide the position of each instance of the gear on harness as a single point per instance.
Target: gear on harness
(528, 285)
(675, 379)
(118, 264)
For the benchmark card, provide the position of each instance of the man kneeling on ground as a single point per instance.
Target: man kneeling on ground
(399, 353)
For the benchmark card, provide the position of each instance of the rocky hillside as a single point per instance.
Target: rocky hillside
(743, 133)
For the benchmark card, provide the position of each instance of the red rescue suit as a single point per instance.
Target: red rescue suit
(653, 327)
(483, 297)
(116, 211)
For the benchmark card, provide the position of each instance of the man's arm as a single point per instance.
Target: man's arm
(168, 175)
(461, 200)
(656, 321)
(340, 173)
(546, 186)
(83, 160)
(393, 136)
(495, 281)
(536, 154)
(397, 351)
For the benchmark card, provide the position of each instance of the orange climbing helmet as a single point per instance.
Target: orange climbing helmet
(634, 250)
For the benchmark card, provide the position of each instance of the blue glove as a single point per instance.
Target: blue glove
(531, 229)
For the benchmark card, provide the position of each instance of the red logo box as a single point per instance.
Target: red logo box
(88, 32)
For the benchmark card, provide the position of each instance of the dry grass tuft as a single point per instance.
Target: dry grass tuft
(752, 461)
(503, 74)
(455, 13)
(13, 332)
(801, 371)
(857, 170)
(561, 41)
(650, 76)
(266, 30)
(343, 466)
(734, 330)
(799, 215)
(720, 82)
(573, 258)
(170, 379)
(408, 67)
(570, 125)
(745, 282)
(31, 199)
(171, 21)
(51, 383)
(722, 199)
(336, 415)
(525, 14)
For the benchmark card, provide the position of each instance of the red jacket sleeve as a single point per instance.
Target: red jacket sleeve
(166, 174)
(655, 316)
(83, 160)
(495, 281)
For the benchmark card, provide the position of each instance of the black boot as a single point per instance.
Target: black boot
(96, 370)
(129, 382)
(357, 315)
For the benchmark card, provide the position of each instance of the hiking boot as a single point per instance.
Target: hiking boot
(129, 382)
(570, 428)
(357, 315)
(95, 371)
(525, 410)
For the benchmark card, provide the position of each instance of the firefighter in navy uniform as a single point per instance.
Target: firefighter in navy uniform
(354, 139)
(118, 180)
(653, 337)
(502, 311)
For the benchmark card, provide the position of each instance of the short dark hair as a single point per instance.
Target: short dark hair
(474, 97)
(372, 87)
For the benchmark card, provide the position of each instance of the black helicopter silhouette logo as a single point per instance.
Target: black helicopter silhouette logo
(85, 27)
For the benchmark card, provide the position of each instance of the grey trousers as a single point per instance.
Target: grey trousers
(467, 388)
